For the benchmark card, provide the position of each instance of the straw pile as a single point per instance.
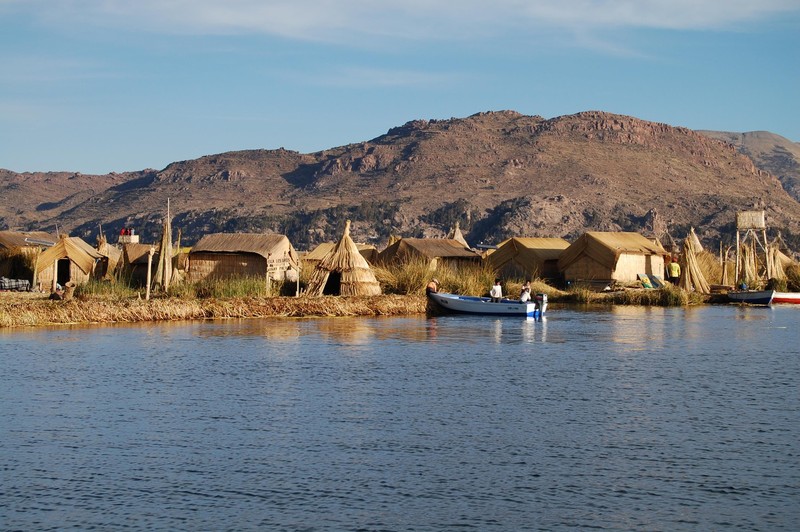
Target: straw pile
(692, 277)
(355, 278)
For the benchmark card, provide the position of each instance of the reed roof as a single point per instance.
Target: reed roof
(458, 236)
(258, 243)
(18, 239)
(430, 248)
(356, 276)
(319, 252)
(136, 253)
(527, 251)
(73, 248)
(606, 247)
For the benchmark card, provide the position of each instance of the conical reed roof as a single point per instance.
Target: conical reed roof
(355, 278)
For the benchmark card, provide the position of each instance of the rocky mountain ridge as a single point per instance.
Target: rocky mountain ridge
(498, 174)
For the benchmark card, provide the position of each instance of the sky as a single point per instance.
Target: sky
(99, 86)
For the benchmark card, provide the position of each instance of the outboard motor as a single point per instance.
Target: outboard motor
(541, 302)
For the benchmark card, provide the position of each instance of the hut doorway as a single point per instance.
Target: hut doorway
(333, 286)
(63, 276)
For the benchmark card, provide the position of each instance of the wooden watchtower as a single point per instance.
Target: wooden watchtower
(751, 231)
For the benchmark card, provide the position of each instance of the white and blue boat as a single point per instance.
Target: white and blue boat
(484, 305)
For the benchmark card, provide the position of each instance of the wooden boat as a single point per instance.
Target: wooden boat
(484, 306)
(764, 297)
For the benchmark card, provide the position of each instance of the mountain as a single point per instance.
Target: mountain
(773, 153)
(498, 174)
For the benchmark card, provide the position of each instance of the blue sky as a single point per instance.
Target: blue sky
(96, 86)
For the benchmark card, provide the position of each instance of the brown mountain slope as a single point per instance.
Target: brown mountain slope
(773, 153)
(498, 174)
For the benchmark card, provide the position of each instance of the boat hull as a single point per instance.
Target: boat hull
(765, 297)
(483, 305)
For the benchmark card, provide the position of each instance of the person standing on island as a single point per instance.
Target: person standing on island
(674, 271)
(496, 292)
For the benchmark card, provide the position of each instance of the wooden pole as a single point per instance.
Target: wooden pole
(149, 274)
(55, 276)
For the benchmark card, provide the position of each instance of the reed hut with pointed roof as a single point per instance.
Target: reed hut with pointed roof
(312, 258)
(70, 259)
(343, 271)
(458, 236)
(435, 251)
(611, 256)
(530, 258)
(229, 255)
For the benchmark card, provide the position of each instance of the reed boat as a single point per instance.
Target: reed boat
(764, 297)
(484, 306)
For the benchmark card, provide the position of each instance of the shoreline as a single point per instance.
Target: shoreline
(37, 310)
(41, 311)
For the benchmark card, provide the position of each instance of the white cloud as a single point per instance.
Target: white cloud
(353, 20)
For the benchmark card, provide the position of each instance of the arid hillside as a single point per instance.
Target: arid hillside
(498, 174)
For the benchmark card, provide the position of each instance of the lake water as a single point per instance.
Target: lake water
(615, 419)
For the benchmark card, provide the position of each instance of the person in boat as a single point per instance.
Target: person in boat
(674, 271)
(496, 293)
(525, 292)
(432, 287)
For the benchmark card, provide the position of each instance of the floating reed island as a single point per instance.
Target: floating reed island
(342, 283)
(110, 306)
(16, 311)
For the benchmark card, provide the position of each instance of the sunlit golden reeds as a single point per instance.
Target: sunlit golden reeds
(31, 311)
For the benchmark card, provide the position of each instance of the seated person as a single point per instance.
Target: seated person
(525, 293)
(432, 287)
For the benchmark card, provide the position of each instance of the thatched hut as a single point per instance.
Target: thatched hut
(135, 258)
(229, 255)
(312, 258)
(343, 271)
(528, 257)
(113, 256)
(607, 257)
(435, 251)
(19, 251)
(70, 259)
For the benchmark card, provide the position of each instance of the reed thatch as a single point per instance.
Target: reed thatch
(692, 278)
(82, 259)
(611, 256)
(528, 257)
(343, 271)
(113, 256)
(435, 250)
(228, 255)
(312, 258)
(19, 251)
(164, 267)
(458, 236)
(14, 240)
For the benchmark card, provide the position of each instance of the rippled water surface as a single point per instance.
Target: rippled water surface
(620, 419)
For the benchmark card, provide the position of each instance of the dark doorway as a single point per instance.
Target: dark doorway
(63, 276)
(333, 284)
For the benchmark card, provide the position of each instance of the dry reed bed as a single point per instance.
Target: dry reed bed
(34, 312)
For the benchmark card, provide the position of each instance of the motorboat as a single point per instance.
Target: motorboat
(764, 297)
(485, 306)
